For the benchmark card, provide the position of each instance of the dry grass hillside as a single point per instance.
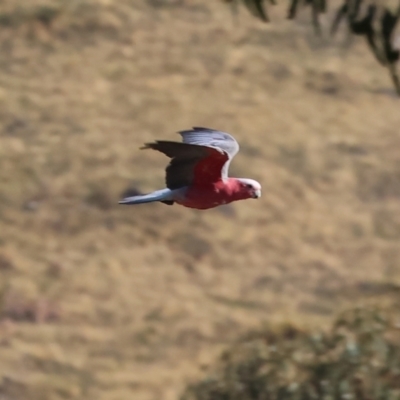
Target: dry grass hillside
(100, 301)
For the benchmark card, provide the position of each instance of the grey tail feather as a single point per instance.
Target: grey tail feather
(163, 195)
(132, 200)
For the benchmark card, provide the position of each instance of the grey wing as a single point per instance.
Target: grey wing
(212, 138)
(185, 156)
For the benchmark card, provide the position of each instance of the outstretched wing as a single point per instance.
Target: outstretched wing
(211, 138)
(203, 157)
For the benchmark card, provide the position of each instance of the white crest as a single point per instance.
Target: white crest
(256, 185)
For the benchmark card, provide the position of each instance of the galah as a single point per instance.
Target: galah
(197, 175)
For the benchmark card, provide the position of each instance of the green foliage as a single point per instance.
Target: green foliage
(375, 20)
(358, 358)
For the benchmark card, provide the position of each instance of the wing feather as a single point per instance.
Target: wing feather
(203, 157)
(211, 138)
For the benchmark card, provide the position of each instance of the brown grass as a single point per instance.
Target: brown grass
(100, 301)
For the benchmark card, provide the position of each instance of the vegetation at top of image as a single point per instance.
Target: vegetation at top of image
(357, 358)
(374, 20)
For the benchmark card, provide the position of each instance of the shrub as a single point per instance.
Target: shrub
(357, 358)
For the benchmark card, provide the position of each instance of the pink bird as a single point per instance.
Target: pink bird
(197, 176)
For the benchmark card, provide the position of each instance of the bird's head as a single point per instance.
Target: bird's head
(250, 188)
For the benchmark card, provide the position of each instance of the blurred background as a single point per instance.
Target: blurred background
(99, 301)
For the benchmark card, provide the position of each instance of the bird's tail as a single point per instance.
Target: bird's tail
(163, 195)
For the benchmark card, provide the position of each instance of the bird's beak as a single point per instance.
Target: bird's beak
(257, 194)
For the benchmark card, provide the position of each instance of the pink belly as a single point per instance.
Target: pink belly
(204, 198)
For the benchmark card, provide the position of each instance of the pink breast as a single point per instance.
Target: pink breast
(204, 197)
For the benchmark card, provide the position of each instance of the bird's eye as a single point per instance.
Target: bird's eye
(249, 186)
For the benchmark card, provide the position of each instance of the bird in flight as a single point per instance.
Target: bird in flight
(197, 175)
